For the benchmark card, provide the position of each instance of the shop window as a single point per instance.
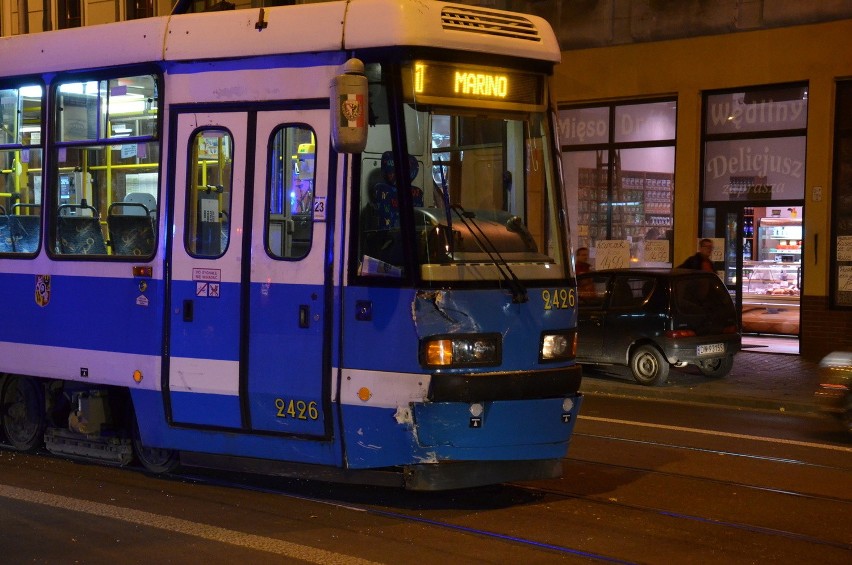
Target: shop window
(618, 162)
(20, 168)
(755, 144)
(752, 199)
(208, 212)
(105, 183)
(289, 220)
(841, 225)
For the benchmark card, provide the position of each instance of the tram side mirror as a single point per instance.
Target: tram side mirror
(349, 108)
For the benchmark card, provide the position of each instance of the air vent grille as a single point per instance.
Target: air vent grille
(485, 22)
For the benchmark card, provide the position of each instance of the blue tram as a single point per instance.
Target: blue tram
(323, 240)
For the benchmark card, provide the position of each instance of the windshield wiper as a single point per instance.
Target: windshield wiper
(445, 196)
(519, 292)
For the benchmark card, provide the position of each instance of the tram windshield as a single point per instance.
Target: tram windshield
(472, 195)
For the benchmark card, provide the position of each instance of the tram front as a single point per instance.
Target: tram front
(459, 316)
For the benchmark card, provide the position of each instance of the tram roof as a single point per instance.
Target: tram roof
(304, 28)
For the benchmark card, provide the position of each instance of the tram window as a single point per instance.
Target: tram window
(101, 109)
(20, 168)
(208, 209)
(105, 189)
(289, 220)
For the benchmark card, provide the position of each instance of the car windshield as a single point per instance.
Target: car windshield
(479, 184)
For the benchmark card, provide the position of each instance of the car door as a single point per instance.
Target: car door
(592, 289)
(628, 319)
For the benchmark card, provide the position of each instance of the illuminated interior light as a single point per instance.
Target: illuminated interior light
(30, 91)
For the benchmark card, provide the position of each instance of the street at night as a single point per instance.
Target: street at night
(647, 480)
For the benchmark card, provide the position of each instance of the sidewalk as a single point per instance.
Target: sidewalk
(767, 381)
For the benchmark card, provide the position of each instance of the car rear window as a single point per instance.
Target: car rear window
(699, 294)
(630, 291)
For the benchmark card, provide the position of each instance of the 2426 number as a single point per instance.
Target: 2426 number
(558, 298)
(297, 409)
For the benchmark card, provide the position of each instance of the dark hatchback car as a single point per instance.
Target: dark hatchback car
(651, 319)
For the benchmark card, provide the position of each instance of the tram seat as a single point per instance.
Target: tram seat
(146, 200)
(79, 234)
(24, 229)
(132, 231)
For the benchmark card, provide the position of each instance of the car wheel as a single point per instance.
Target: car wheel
(716, 367)
(648, 365)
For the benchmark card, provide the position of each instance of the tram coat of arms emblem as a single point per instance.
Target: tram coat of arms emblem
(42, 290)
(352, 110)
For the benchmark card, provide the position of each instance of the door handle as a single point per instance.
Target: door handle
(188, 310)
(304, 316)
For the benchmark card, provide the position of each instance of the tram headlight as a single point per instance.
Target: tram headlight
(469, 350)
(558, 345)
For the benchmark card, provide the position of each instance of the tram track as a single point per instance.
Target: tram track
(749, 486)
(410, 518)
(402, 507)
(753, 528)
(785, 460)
(643, 472)
(552, 494)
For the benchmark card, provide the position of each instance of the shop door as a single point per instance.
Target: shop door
(248, 325)
(724, 225)
(757, 253)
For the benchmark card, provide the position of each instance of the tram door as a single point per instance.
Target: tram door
(247, 292)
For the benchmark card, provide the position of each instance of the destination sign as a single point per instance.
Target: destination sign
(454, 81)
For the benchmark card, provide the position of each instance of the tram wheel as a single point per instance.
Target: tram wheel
(649, 366)
(155, 459)
(22, 414)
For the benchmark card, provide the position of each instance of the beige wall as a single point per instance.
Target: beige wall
(819, 54)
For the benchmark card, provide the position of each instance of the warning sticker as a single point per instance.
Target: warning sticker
(210, 290)
(210, 275)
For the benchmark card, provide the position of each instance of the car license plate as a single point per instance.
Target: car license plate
(711, 348)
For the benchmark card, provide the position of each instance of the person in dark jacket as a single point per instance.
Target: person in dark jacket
(701, 260)
(581, 261)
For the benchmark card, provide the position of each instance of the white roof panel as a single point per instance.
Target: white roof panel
(303, 28)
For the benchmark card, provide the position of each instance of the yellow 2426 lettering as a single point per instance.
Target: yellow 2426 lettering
(296, 409)
(558, 298)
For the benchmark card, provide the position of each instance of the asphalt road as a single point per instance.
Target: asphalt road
(645, 481)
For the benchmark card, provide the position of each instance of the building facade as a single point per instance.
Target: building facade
(740, 137)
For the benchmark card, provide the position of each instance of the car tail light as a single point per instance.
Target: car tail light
(732, 329)
(675, 334)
